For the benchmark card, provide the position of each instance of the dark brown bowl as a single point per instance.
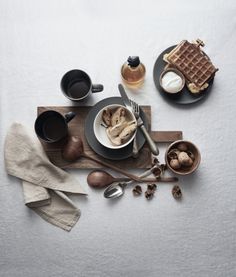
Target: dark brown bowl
(191, 147)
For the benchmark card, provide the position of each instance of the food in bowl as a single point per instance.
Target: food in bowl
(172, 81)
(119, 126)
(115, 126)
(182, 157)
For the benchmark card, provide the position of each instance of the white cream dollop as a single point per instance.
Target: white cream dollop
(171, 82)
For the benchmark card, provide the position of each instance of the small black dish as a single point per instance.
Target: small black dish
(111, 154)
(183, 98)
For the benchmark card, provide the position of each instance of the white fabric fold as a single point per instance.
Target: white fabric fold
(43, 183)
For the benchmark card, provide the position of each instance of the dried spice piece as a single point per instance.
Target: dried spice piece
(137, 190)
(176, 192)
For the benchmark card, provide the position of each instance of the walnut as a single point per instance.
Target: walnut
(149, 193)
(176, 192)
(137, 190)
(173, 154)
(157, 172)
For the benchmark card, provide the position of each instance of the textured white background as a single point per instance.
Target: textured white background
(39, 42)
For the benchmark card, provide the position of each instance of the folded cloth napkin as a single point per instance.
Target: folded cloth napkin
(43, 182)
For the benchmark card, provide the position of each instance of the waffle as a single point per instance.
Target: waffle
(193, 63)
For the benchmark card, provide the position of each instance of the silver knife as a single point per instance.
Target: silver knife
(127, 103)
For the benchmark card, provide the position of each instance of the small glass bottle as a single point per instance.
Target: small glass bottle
(133, 72)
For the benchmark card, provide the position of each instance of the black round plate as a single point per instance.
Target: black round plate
(111, 154)
(185, 96)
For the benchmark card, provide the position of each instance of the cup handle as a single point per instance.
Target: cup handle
(97, 88)
(69, 116)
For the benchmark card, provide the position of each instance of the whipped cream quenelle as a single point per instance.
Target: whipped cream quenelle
(172, 82)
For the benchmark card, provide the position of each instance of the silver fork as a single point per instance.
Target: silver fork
(151, 143)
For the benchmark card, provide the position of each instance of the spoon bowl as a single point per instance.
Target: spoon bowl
(115, 190)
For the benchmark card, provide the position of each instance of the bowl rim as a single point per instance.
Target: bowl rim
(178, 72)
(192, 169)
(114, 146)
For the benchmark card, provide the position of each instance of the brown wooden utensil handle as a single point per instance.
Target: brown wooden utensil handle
(151, 180)
(167, 179)
(166, 136)
(131, 176)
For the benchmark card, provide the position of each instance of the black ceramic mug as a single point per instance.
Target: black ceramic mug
(77, 85)
(50, 126)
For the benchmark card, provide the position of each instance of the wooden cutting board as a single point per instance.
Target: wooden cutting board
(76, 127)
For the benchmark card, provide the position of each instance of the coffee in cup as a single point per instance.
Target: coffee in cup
(77, 85)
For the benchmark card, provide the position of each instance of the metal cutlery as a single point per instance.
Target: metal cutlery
(134, 108)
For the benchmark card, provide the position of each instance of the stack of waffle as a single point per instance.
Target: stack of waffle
(193, 63)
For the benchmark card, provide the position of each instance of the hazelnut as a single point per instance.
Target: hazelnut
(175, 164)
(184, 159)
(182, 147)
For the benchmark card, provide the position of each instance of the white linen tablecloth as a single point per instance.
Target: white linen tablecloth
(40, 41)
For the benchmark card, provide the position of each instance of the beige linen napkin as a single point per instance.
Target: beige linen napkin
(43, 182)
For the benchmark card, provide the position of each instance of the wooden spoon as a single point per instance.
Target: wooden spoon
(74, 150)
(101, 178)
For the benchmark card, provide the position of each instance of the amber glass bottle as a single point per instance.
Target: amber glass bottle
(133, 72)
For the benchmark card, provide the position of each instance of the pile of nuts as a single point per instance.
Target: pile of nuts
(180, 157)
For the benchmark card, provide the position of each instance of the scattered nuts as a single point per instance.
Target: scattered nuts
(175, 164)
(176, 192)
(137, 190)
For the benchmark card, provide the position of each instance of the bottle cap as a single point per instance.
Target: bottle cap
(133, 61)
